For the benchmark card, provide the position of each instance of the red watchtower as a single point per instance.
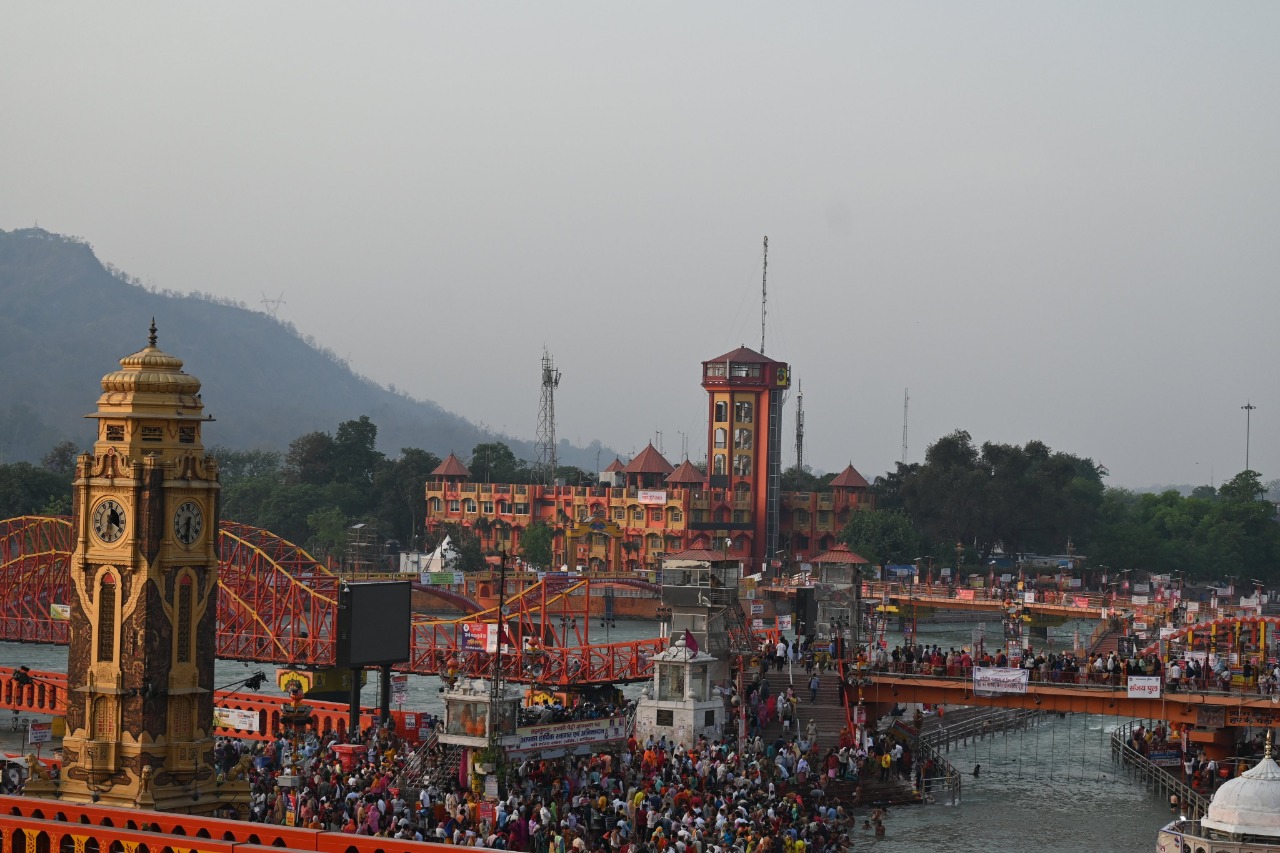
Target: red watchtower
(745, 392)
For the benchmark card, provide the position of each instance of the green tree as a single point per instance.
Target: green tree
(328, 532)
(883, 536)
(398, 488)
(355, 453)
(27, 490)
(797, 479)
(310, 459)
(61, 459)
(536, 543)
(493, 462)
(240, 464)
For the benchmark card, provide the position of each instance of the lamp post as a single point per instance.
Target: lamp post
(1248, 417)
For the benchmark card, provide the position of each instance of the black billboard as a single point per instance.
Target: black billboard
(374, 623)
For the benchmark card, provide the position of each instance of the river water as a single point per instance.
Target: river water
(1050, 788)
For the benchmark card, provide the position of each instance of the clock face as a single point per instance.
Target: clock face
(109, 521)
(188, 521)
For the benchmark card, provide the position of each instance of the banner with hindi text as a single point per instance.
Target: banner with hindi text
(993, 681)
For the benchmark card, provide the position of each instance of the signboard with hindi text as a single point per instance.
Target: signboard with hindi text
(651, 496)
(478, 637)
(993, 681)
(1144, 687)
(784, 623)
(569, 735)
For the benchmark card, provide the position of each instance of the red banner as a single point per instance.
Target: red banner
(966, 594)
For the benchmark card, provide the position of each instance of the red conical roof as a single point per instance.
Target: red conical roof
(849, 478)
(744, 355)
(649, 461)
(687, 473)
(840, 554)
(451, 467)
(615, 466)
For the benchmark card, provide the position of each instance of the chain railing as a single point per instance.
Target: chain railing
(1191, 803)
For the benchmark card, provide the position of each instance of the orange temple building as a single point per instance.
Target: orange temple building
(647, 509)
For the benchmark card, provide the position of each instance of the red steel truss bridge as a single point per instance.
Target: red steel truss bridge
(278, 604)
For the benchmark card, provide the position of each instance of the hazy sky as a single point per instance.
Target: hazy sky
(1049, 221)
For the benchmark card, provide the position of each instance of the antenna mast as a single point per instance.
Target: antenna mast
(764, 292)
(546, 438)
(800, 427)
(905, 399)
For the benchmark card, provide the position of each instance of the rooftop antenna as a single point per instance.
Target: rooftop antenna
(273, 305)
(800, 427)
(906, 398)
(546, 438)
(764, 292)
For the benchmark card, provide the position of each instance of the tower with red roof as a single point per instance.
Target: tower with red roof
(745, 391)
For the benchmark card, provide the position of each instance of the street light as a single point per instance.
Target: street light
(1248, 417)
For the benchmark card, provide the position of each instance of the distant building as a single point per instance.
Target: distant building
(649, 508)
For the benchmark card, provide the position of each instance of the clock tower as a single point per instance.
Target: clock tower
(144, 592)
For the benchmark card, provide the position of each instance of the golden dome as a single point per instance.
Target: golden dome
(151, 370)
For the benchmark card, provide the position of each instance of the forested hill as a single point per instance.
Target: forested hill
(65, 320)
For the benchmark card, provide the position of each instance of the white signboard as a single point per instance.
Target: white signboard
(1139, 599)
(39, 732)
(1028, 598)
(1142, 587)
(235, 718)
(784, 623)
(1006, 577)
(757, 624)
(577, 733)
(757, 608)
(1144, 687)
(992, 681)
(651, 496)
(1193, 606)
(399, 689)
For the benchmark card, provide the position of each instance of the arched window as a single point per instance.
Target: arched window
(469, 505)
(653, 543)
(504, 508)
(107, 617)
(742, 465)
(742, 439)
(742, 412)
(717, 464)
(722, 436)
(435, 505)
(722, 412)
(183, 632)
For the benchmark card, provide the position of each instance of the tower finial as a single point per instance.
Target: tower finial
(151, 341)
(1268, 751)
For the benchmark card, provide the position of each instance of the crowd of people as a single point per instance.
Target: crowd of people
(638, 797)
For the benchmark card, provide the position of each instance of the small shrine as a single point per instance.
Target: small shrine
(680, 703)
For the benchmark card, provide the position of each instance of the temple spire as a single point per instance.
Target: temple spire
(151, 341)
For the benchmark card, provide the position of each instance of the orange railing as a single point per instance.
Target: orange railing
(47, 694)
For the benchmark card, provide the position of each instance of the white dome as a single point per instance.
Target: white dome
(1249, 804)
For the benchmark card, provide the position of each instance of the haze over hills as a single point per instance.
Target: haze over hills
(67, 319)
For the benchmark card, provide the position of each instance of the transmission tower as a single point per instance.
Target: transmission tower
(800, 426)
(273, 305)
(546, 438)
